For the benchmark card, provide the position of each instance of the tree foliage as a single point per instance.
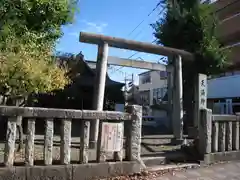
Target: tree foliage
(29, 68)
(41, 17)
(192, 26)
(29, 30)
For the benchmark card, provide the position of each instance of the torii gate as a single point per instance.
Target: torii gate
(175, 85)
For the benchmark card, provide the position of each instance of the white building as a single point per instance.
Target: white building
(152, 86)
(224, 93)
(226, 88)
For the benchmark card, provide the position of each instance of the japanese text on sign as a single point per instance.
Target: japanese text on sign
(112, 137)
(202, 91)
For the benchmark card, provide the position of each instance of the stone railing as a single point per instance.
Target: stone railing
(133, 132)
(219, 136)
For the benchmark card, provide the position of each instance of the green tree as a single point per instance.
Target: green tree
(41, 17)
(29, 68)
(28, 34)
(29, 30)
(191, 26)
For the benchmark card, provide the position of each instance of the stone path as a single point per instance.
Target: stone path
(229, 171)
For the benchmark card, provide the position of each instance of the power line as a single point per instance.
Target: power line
(131, 57)
(160, 14)
(139, 52)
(139, 32)
(149, 14)
(142, 30)
(165, 8)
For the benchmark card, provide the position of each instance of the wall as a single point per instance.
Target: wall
(224, 87)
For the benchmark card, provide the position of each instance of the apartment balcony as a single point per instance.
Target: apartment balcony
(234, 55)
(228, 12)
(226, 8)
(229, 29)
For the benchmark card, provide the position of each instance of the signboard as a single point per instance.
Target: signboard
(202, 87)
(200, 97)
(112, 137)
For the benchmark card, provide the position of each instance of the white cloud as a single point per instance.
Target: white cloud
(94, 27)
(89, 27)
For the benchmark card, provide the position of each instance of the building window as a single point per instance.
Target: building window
(164, 91)
(144, 98)
(163, 74)
(146, 78)
(158, 94)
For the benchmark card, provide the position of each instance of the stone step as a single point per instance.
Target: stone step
(164, 159)
(153, 161)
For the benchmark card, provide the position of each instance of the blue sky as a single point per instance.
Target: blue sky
(113, 18)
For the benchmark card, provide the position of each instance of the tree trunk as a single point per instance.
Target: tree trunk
(188, 105)
(188, 100)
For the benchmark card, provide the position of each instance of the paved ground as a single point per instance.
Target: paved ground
(229, 171)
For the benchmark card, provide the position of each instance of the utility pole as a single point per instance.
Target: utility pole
(125, 88)
(133, 95)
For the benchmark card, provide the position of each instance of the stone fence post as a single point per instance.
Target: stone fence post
(133, 133)
(205, 131)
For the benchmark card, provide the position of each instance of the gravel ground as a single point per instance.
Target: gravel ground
(155, 145)
(150, 175)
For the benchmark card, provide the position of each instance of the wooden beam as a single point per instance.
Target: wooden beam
(135, 63)
(133, 45)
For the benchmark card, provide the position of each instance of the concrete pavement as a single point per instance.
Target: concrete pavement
(229, 171)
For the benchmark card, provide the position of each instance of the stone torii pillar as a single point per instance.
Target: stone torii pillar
(99, 89)
(178, 99)
(175, 96)
(170, 92)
